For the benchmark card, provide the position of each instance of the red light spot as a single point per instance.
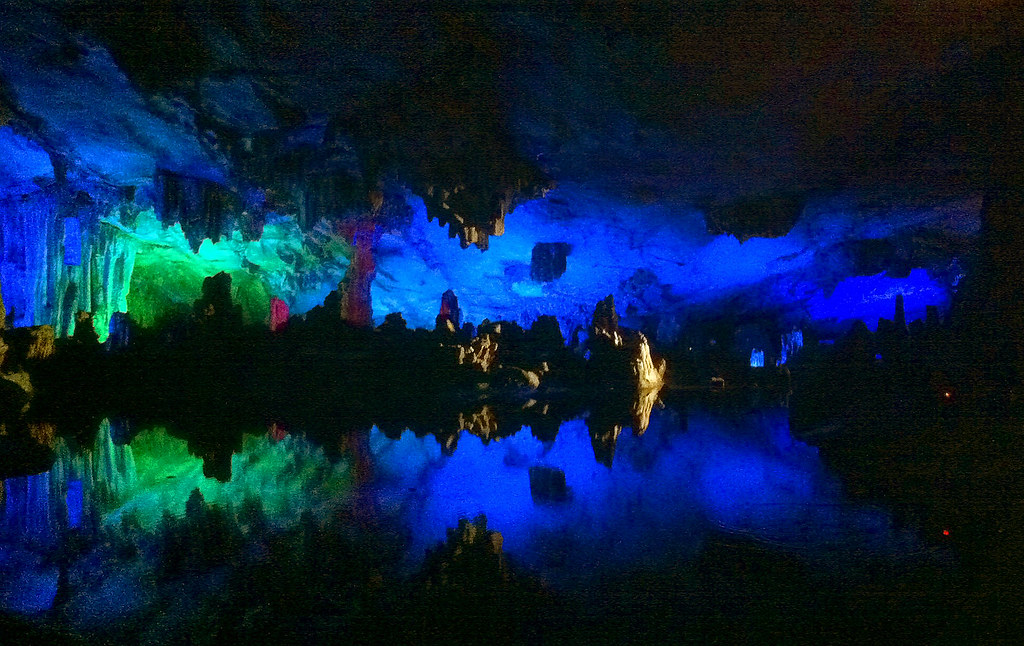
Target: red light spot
(945, 532)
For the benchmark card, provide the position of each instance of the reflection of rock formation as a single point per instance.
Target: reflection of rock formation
(471, 558)
(29, 510)
(38, 508)
(483, 423)
(547, 484)
(603, 439)
(643, 404)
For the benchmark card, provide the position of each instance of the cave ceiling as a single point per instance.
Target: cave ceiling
(476, 106)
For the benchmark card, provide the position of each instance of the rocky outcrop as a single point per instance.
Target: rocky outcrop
(620, 355)
(450, 316)
(481, 353)
(85, 331)
(278, 314)
(40, 343)
(548, 261)
(215, 310)
(648, 375)
(355, 304)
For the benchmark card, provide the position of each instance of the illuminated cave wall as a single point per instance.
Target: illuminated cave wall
(658, 260)
(116, 259)
(661, 263)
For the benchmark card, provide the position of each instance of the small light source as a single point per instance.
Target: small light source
(945, 532)
(947, 394)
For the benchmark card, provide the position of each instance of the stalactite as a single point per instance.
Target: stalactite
(202, 208)
(25, 239)
(113, 261)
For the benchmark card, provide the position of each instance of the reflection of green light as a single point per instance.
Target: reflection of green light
(287, 477)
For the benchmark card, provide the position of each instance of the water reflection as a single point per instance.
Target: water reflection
(567, 510)
(662, 497)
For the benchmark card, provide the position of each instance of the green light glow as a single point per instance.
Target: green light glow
(287, 477)
(168, 276)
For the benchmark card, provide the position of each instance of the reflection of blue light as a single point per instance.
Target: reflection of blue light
(27, 508)
(665, 492)
(24, 587)
(74, 503)
(870, 298)
(757, 358)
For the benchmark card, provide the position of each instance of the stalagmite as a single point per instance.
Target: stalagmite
(450, 316)
(278, 314)
(648, 376)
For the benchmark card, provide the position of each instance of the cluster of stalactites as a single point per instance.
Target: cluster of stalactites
(474, 215)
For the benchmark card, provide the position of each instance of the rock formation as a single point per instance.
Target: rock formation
(481, 353)
(40, 343)
(278, 314)
(214, 309)
(450, 316)
(547, 261)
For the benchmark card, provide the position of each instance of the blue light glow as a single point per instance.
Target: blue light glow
(72, 242)
(870, 298)
(665, 492)
(24, 161)
(75, 502)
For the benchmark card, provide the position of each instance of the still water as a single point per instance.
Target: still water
(695, 476)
